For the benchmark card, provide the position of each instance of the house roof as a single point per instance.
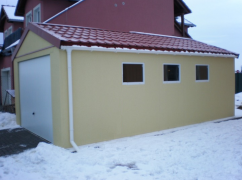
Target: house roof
(8, 12)
(180, 8)
(20, 8)
(65, 35)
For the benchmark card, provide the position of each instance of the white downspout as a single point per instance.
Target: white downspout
(70, 95)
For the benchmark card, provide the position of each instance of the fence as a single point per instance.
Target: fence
(238, 82)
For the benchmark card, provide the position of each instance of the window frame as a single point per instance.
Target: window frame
(29, 14)
(196, 73)
(171, 82)
(38, 7)
(143, 73)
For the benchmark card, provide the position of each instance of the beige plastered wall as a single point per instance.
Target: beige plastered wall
(105, 109)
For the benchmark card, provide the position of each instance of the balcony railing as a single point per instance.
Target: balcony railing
(16, 35)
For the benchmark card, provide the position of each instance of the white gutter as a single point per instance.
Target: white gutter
(70, 95)
(63, 11)
(143, 51)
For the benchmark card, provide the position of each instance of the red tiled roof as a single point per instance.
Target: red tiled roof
(75, 35)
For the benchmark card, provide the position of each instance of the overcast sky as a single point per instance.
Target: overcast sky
(219, 23)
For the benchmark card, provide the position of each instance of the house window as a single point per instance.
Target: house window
(202, 73)
(10, 30)
(171, 73)
(28, 18)
(36, 14)
(133, 73)
(5, 34)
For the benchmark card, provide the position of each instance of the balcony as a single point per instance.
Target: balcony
(10, 42)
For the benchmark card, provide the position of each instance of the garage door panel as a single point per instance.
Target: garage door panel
(35, 96)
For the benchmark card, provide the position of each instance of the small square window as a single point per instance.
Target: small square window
(28, 18)
(171, 72)
(202, 73)
(36, 14)
(133, 73)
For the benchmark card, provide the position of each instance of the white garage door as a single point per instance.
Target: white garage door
(35, 96)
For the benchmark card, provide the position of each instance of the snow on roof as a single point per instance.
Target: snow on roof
(10, 14)
(186, 22)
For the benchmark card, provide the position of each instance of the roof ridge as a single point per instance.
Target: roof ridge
(162, 35)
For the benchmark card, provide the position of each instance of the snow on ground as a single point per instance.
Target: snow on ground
(203, 151)
(7, 120)
(206, 151)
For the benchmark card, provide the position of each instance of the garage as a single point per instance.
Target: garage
(71, 90)
(35, 96)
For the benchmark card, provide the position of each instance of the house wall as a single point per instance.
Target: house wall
(52, 7)
(106, 109)
(48, 7)
(153, 16)
(6, 62)
(178, 33)
(15, 25)
(6, 25)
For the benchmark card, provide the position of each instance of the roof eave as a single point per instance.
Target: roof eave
(20, 8)
(185, 8)
(152, 50)
(15, 20)
(146, 51)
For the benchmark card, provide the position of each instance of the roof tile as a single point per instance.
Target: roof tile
(76, 35)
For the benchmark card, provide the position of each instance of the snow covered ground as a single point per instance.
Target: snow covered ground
(206, 151)
(7, 120)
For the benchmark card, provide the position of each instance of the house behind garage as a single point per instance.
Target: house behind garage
(91, 85)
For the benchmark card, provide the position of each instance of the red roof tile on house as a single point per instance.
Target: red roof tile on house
(76, 35)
